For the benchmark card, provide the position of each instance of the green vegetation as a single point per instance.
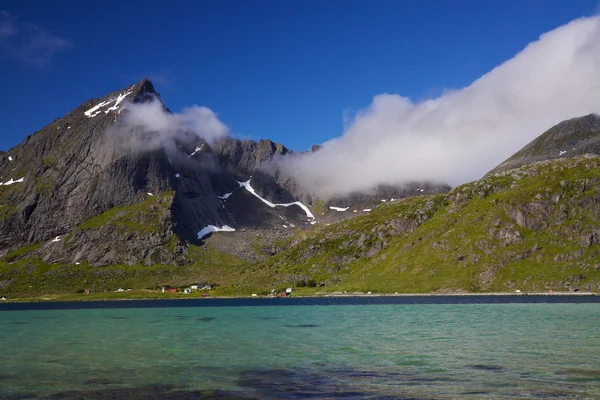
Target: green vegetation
(32, 277)
(7, 211)
(144, 216)
(533, 229)
(470, 239)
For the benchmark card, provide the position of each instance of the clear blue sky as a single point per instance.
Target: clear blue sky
(279, 69)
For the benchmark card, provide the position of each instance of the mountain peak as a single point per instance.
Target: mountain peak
(144, 86)
(570, 138)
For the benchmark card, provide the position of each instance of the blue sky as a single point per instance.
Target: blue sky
(285, 70)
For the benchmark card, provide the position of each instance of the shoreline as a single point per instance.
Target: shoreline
(43, 298)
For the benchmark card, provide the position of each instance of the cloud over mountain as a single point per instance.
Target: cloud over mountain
(460, 135)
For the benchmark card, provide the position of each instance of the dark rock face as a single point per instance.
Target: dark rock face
(568, 139)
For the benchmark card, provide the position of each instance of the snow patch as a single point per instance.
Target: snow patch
(354, 210)
(92, 112)
(338, 208)
(120, 98)
(211, 228)
(366, 210)
(562, 152)
(77, 263)
(11, 181)
(420, 190)
(249, 188)
(383, 201)
(150, 194)
(285, 226)
(56, 239)
(225, 196)
(10, 158)
(177, 175)
(197, 149)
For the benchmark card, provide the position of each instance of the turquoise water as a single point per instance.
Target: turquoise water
(386, 351)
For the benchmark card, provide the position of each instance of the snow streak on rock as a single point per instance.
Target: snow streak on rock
(11, 181)
(249, 188)
(338, 208)
(211, 228)
(92, 112)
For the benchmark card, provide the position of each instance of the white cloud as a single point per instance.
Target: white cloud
(462, 134)
(28, 43)
(153, 117)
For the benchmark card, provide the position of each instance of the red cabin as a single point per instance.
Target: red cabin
(171, 290)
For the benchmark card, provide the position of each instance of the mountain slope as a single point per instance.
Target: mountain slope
(535, 228)
(569, 138)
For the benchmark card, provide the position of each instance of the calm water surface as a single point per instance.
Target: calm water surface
(391, 348)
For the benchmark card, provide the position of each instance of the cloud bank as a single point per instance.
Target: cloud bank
(152, 116)
(149, 126)
(28, 43)
(460, 135)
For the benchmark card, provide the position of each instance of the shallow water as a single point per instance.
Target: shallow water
(325, 349)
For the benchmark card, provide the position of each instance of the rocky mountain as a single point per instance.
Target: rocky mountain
(567, 139)
(534, 228)
(90, 187)
(81, 207)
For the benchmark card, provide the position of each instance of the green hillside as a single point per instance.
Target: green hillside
(536, 228)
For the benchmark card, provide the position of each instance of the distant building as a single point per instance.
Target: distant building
(171, 290)
(187, 291)
(194, 287)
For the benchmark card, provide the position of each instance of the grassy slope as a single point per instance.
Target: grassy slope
(29, 275)
(464, 240)
(457, 247)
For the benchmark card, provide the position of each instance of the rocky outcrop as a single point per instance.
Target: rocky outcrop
(568, 139)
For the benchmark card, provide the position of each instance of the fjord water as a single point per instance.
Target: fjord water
(350, 348)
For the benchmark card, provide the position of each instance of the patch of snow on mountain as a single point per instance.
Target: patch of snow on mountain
(338, 208)
(10, 158)
(562, 152)
(197, 149)
(177, 175)
(150, 194)
(367, 210)
(211, 228)
(56, 239)
(285, 226)
(225, 196)
(92, 112)
(11, 181)
(420, 190)
(383, 201)
(249, 188)
(121, 97)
